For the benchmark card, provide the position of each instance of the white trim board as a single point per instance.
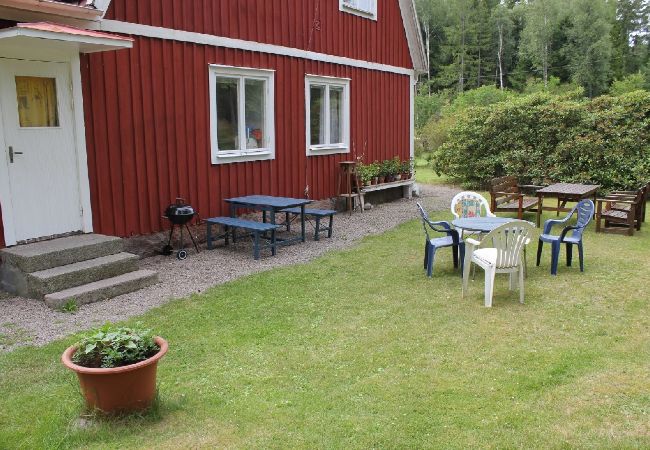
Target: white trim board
(115, 26)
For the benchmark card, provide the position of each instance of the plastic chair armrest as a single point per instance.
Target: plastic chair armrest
(550, 223)
(472, 242)
(566, 230)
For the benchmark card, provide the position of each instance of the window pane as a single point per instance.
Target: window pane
(37, 102)
(336, 115)
(317, 113)
(255, 111)
(227, 113)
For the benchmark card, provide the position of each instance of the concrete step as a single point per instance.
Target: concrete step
(45, 255)
(65, 277)
(102, 290)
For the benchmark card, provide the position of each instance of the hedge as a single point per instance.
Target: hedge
(543, 139)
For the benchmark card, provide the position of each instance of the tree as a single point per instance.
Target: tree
(589, 48)
(502, 25)
(542, 18)
(629, 36)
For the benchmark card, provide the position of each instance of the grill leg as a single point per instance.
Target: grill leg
(329, 232)
(196, 246)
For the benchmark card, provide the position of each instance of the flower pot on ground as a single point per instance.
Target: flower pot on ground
(375, 180)
(117, 368)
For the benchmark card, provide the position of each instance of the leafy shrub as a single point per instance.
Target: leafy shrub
(543, 138)
(631, 83)
(110, 347)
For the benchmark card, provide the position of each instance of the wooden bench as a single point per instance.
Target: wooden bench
(506, 196)
(231, 224)
(622, 212)
(317, 214)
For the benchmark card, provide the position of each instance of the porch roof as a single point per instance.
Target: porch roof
(85, 40)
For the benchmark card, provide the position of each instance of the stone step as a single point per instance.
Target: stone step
(102, 290)
(65, 277)
(45, 255)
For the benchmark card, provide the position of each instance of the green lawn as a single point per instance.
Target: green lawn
(359, 349)
(425, 174)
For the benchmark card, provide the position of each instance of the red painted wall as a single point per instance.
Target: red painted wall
(315, 25)
(147, 109)
(147, 122)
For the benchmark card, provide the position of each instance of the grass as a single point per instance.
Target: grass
(425, 174)
(359, 349)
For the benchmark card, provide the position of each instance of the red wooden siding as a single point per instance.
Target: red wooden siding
(148, 136)
(315, 25)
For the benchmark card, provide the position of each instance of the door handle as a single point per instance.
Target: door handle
(12, 153)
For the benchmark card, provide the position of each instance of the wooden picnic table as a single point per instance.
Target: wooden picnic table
(271, 205)
(564, 192)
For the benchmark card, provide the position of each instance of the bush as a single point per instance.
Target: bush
(630, 83)
(110, 347)
(541, 139)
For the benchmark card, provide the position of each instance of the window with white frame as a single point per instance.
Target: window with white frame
(328, 115)
(242, 114)
(364, 8)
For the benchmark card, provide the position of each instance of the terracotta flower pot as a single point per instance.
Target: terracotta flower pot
(121, 389)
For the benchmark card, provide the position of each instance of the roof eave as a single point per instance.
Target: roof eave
(414, 36)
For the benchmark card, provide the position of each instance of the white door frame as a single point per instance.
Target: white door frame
(49, 52)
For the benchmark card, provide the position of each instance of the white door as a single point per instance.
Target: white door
(39, 148)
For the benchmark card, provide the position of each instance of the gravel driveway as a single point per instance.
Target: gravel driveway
(30, 322)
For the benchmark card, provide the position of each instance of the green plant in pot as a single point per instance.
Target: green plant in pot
(406, 169)
(396, 168)
(116, 368)
(365, 174)
(375, 169)
(386, 171)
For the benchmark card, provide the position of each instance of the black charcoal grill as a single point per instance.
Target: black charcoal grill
(179, 215)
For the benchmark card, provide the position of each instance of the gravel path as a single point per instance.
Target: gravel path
(30, 322)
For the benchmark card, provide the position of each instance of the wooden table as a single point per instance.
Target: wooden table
(272, 205)
(564, 192)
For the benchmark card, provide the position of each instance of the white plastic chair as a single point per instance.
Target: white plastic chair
(500, 251)
(470, 204)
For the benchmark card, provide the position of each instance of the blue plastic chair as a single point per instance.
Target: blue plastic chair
(585, 212)
(452, 239)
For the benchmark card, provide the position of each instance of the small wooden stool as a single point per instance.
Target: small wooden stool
(347, 174)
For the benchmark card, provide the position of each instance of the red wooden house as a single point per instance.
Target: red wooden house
(109, 110)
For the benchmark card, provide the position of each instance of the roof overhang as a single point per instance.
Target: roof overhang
(81, 9)
(84, 41)
(414, 36)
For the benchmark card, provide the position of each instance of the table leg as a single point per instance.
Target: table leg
(209, 236)
(540, 207)
(302, 222)
(557, 211)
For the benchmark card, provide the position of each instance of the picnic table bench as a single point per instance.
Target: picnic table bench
(317, 214)
(231, 224)
(506, 196)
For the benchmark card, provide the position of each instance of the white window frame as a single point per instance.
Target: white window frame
(244, 154)
(328, 149)
(348, 7)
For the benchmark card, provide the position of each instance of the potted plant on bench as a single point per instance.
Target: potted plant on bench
(365, 173)
(116, 368)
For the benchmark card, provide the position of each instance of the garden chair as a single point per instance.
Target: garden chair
(624, 207)
(622, 213)
(506, 195)
(504, 256)
(469, 204)
(584, 211)
(452, 239)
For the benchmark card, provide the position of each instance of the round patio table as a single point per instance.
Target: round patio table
(480, 224)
